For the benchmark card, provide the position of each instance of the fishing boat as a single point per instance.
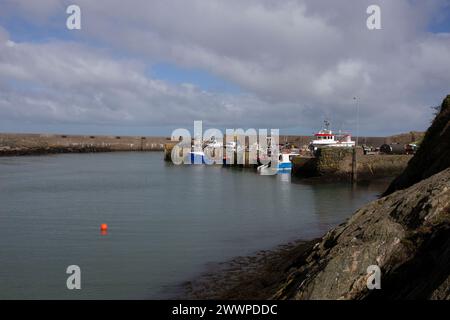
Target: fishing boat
(326, 138)
(285, 161)
(284, 164)
(197, 157)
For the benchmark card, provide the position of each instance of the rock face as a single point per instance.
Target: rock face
(406, 233)
(433, 155)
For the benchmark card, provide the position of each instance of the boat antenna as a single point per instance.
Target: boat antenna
(327, 124)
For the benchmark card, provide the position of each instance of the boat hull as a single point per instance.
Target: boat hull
(197, 158)
(285, 166)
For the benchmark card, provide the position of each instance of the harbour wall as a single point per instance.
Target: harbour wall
(337, 164)
(29, 144)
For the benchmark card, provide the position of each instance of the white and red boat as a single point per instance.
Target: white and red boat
(326, 138)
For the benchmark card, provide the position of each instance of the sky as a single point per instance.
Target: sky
(142, 67)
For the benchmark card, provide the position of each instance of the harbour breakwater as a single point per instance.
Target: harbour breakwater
(34, 144)
(16, 144)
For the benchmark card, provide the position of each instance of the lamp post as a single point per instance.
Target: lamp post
(357, 120)
(354, 158)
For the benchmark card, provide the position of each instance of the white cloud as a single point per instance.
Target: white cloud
(71, 83)
(297, 61)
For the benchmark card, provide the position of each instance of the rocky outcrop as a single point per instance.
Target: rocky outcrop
(433, 155)
(406, 234)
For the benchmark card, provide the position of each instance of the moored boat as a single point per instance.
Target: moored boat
(284, 164)
(197, 157)
(326, 138)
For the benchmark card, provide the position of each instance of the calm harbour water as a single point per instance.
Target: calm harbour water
(166, 223)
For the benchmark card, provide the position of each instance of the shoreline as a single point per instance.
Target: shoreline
(252, 277)
(259, 275)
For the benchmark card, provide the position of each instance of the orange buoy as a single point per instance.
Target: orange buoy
(103, 227)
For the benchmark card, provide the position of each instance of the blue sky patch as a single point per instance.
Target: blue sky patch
(203, 79)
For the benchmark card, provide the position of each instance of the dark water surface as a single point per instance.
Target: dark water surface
(166, 222)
